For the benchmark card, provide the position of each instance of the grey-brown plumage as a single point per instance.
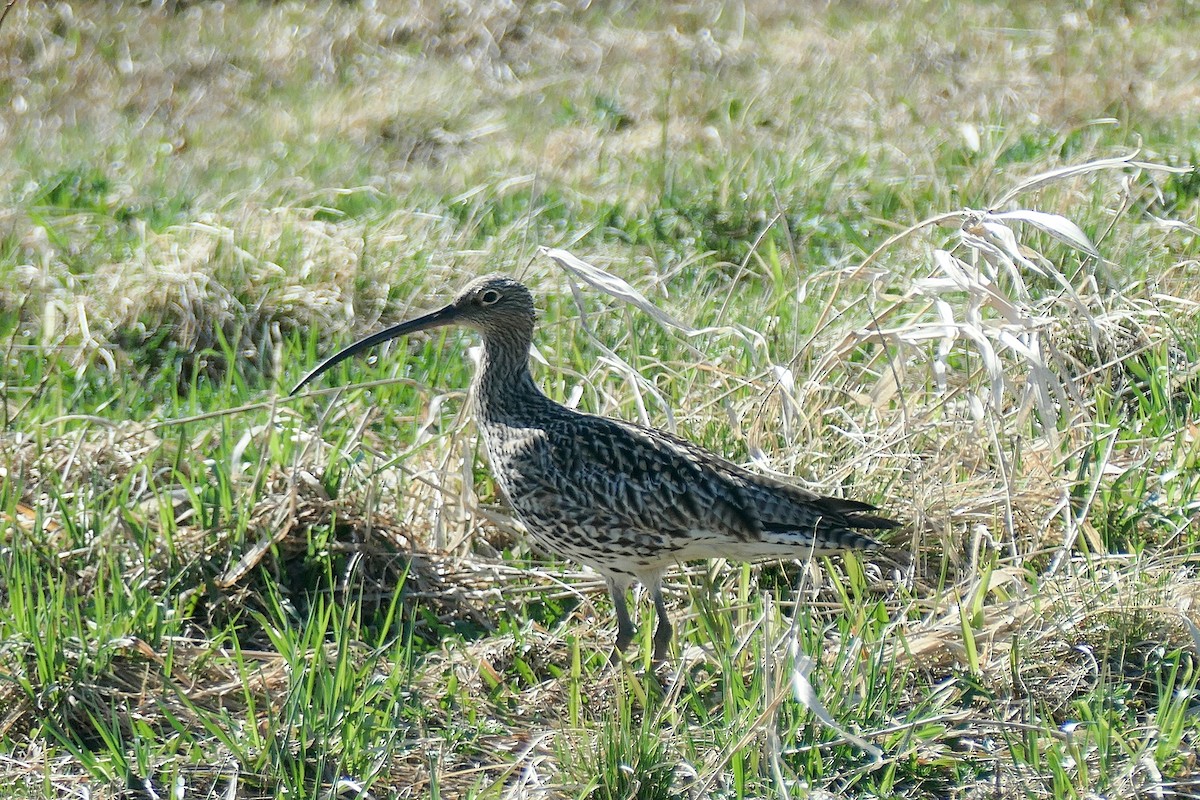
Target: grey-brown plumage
(625, 500)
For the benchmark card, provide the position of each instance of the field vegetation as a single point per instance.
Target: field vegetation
(943, 258)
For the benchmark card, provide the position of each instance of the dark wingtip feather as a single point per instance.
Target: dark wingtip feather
(844, 506)
(854, 512)
(872, 522)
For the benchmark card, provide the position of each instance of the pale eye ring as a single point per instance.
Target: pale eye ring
(489, 297)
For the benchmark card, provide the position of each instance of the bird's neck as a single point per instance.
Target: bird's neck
(504, 389)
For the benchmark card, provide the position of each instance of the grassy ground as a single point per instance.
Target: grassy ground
(222, 591)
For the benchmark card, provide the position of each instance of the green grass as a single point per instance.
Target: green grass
(218, 589)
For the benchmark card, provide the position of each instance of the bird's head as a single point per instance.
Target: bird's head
(497, 306)
(492, 305)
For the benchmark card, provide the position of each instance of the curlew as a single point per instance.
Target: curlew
(626, 500)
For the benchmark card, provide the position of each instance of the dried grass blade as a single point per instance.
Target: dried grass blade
(806, 696)
(1056, 225)
(1119, 162)
(613, 286)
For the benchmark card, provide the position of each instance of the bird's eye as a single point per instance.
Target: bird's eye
(489, 297)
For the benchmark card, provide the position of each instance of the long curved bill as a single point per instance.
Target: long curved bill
(438, 318)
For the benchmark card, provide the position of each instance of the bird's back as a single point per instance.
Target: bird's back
(605, 491)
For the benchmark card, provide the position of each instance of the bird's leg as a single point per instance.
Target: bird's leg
(663, 633)
(625, 629)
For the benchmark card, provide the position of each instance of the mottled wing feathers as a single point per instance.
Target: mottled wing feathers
(648, 481)
(663, 484)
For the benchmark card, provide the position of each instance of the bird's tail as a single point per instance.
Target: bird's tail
(834, 523)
